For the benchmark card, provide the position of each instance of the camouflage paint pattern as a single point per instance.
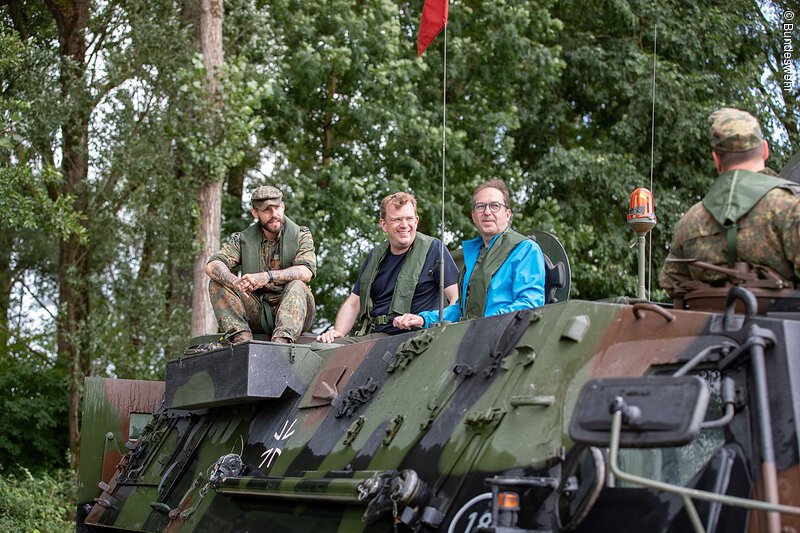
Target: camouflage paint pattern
(733, 130)
(293, 311)
(768, 235)
(457, 405)
(107, 408)
(231, 255)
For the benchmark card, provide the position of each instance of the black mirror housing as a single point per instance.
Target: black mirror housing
(657, 411)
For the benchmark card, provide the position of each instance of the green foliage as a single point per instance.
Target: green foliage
(37, 504)
(328, 101)
(33, 428)
(24, 182)
(359, 117)
(607, 261)
(213, 135)
(25, 202)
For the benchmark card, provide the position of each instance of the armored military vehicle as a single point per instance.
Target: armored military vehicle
(612, 416)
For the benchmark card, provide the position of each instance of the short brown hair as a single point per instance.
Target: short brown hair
(398, 200)
(498, 184)
(729, 159)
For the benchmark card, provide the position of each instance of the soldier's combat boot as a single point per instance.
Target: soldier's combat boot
(241, 336)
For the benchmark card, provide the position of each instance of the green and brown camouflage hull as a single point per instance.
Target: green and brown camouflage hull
(441, 416)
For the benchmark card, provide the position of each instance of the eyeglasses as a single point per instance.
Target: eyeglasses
(494, 207)
(398, 220)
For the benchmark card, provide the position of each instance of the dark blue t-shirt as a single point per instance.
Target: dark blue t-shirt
(426, 295)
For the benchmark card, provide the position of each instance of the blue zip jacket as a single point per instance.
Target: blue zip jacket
(518, 284)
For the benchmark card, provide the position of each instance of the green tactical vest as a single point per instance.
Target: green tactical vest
(405, 287)
(734, 194)
(251, 241)
(485, 268)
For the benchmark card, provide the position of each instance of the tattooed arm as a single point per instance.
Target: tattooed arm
(218, 271)
(304, 267)
(251, 282)
(220, 264)
(301, 272)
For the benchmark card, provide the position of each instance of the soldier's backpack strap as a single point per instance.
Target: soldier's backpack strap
(369, 323)
(731, 235)
(250, 242)
(374, 260)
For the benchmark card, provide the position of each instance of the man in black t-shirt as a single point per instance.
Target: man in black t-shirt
(400, 275)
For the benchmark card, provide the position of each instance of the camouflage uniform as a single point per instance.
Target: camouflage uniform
(292, 304)
(767, 235)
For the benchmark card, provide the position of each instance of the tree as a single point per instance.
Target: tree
(215, 121)
(99, 113)
(356, 117)
(778, 86)
(595, 133)
(209, 197)
(74, 255)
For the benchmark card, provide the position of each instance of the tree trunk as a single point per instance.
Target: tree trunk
(73, 269)
(209, 198)
(73, 276)
(6, 283)
(209, 202)
(235, 181)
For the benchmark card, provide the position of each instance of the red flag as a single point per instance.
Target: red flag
(434, 18)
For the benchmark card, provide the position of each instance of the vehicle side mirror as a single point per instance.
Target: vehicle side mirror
(656, 411)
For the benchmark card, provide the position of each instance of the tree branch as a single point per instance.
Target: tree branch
(41, 304)
(44, 356)
(105, 190)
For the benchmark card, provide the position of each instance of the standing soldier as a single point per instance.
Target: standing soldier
(748, 215)
(277, 260)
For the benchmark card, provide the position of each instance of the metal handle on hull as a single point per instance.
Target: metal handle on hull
(641, 307)
(747, 298)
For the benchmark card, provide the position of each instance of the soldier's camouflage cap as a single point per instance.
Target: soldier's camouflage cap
(733, 130)
(266, 195)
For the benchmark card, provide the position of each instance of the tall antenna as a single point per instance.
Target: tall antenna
(444, 145)
(641, 212)
(652, 153)
(433, 21)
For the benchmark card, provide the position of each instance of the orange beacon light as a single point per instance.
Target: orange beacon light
(641, 215)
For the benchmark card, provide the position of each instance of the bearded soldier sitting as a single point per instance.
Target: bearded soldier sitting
(277, 260)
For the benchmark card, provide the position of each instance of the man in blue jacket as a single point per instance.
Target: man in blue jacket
(503, 270)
